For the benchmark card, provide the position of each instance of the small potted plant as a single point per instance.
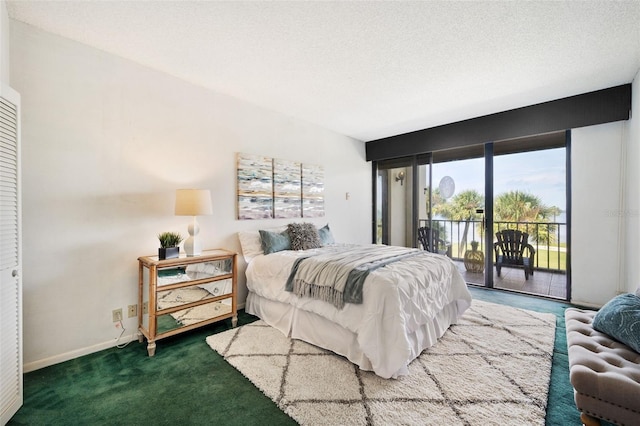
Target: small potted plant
(169, 245)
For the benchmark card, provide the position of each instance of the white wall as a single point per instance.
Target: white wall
(4, 43)
(106, 142)
(597, 234)
(606, 208)
(632, 192)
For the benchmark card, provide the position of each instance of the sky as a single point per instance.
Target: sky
(541, 173)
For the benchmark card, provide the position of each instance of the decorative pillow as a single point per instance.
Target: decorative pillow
(251, 243)
(303, 236)
(326, 237)
(274, 241)
(620, 319)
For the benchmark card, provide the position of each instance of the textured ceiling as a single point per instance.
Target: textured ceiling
(366, 69)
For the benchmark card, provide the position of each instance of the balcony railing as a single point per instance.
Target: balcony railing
(548, 238)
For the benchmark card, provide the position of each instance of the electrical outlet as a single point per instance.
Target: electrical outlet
(133, 310)
(117, 315)
(145, 308)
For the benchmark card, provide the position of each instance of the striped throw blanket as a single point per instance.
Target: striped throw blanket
(337, 274)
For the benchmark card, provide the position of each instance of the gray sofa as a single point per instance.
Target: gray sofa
(605, 374)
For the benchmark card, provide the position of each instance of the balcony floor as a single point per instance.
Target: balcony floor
(548, 284)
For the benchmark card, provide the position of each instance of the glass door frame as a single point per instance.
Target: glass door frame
(488, 214)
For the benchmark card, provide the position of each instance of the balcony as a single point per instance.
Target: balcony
(550, 266)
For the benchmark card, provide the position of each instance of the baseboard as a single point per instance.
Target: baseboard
(67, 356)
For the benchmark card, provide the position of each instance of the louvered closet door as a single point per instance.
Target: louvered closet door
(10, 258)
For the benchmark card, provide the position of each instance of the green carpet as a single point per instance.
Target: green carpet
(188, 383)
(184, 383)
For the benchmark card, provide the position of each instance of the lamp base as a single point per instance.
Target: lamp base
(192, 245)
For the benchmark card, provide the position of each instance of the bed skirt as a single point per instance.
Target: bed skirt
(319, 331)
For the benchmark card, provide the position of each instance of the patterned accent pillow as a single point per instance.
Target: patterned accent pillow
(326, 237)
(620, 319)
(273, 242)
(303, 236)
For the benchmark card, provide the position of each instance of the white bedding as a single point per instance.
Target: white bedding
(394, 323)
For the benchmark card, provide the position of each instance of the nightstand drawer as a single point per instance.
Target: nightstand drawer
(205, 271)
(200, 306)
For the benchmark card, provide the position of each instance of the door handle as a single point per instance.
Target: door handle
(14, 273)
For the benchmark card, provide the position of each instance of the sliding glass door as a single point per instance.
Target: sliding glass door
(530, 196)
(457, 210)
(462, 197)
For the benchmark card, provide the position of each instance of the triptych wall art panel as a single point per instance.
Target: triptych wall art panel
(255, 187)
(274, 188)
(312, 191)
(287, 195)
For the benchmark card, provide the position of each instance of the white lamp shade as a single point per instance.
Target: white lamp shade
(193, 202)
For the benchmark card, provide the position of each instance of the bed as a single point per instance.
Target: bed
(407, 304)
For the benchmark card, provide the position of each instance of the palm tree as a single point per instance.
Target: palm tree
(523, 207)
(462, 207)
(437, 200)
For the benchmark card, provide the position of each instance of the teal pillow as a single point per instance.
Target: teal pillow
(620, 319)
(326, 237)
(273, 242)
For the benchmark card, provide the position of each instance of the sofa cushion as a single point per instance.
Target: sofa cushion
(620, 319)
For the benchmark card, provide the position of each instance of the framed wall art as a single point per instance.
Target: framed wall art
(287, 189)
(274, 188)
(255, 187)
(312, 190)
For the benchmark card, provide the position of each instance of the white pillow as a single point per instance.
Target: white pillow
(251, 243)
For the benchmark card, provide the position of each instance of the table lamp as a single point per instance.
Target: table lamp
(193, 202)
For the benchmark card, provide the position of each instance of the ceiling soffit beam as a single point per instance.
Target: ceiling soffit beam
(587, 109)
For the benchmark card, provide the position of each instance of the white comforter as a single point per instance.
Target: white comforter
(397, 300)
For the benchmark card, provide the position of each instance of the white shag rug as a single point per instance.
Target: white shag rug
(493, 367)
